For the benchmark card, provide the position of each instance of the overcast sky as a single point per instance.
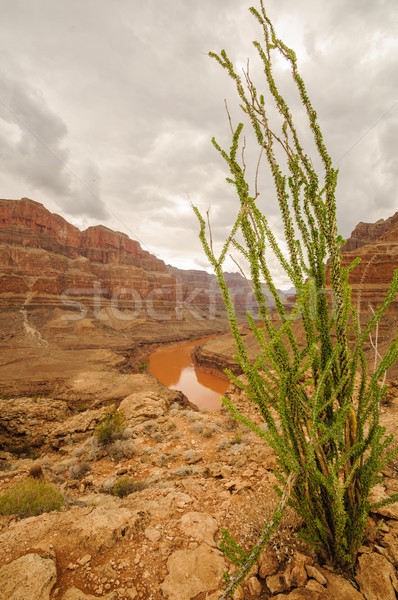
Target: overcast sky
(107, 109)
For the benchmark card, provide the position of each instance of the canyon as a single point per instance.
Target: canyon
(80, 314)
(91, 302)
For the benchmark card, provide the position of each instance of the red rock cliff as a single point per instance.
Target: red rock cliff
(29, 224)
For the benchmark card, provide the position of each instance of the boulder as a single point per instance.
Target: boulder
(142, 406)
(28, 577)
(338, 586)
(376, 577)
(191, 572)
(200, 526)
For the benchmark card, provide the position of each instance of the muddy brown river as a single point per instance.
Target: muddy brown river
(173, 367)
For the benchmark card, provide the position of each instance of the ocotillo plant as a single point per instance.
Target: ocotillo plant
(330, 445)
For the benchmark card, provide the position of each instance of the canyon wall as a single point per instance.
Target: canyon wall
(76, 301)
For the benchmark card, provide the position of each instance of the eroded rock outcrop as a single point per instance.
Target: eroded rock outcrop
(30, 576)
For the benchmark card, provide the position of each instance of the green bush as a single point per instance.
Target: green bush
(110, 428)
(30, 498)
(309, 378)
(125, 486)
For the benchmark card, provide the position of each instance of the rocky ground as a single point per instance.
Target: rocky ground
(194, 473)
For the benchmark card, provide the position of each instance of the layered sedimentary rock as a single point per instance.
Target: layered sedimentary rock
(376, 244)
(206, 287)
(28, 224)
(77, 301)
(367, 233)
(42, 254)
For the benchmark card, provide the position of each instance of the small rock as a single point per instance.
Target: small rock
(296, 574)
(247, 473)
(277, 583)
(200, 526)
(152, 534)
(315, 586)
(192, 572)
(254, 587)
(84, 560)
(268, 563)
(376, 577)
(338, 586)
(105, 572)
(315, 574)
(226, 472)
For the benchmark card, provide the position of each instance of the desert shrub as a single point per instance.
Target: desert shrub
(183, 471)
(223, 444)
(162, 460)
(79, 469)
(62, 466)
(147, 450)
(29, 498)
(5, 465)
(127, 433)
(110, 428)
(108, 484)
(193, 416)
(209, 431)
(36, 471)
(120, 449)
(231, 423)
(310, 368)
(94, 450)
(125, 486)
(197, 427)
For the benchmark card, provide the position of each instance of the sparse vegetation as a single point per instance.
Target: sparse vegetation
(125, 486)
(110, 428)
(29, 498)
(79, 469)
(121, 449)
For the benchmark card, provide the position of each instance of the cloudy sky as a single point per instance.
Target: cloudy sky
(107, 109)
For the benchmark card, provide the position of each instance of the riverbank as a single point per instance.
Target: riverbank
(174, 367)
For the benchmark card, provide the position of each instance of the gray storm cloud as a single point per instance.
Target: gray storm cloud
(120, 102)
